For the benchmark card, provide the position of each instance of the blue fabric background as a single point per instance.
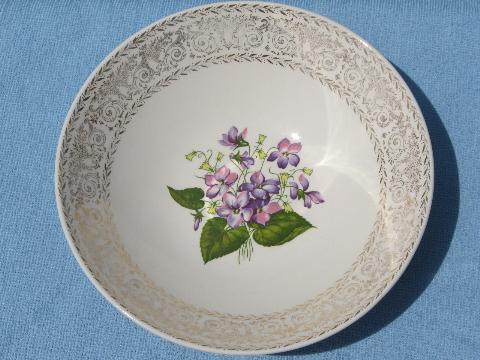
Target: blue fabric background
(48, 308)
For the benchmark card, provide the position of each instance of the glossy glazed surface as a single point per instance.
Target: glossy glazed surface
(275, 70)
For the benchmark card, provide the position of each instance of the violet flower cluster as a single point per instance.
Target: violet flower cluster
(252, 182)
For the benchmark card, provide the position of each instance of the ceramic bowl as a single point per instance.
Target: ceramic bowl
(244, 178)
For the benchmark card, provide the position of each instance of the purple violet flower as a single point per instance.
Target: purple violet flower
(308, 197)
(263, 208)
(196, 222)
(286, 153)
(234, 209)
(233, 139)
(259, 187)
(246, 160)
(220, 182)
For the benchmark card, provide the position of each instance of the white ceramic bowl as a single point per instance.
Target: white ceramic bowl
(264, 272)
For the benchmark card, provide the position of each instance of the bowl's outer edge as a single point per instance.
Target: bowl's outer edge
(146, 326)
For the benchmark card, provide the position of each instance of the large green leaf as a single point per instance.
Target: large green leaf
(189, 198)
(281, 228)
(216, 242)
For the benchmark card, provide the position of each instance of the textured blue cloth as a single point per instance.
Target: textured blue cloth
(48, 308)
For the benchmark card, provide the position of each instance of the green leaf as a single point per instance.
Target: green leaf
(189, 198)
(282, 227)
(216, 242)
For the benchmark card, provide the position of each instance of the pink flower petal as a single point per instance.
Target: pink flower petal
(231, 178)
(316, 197)
(294, 148)
(222, 173)
(243, 134)
(230, 200)
(283, 145)
(210, 180)
(232, 134)
(307, 202)
(242, 199)
(247, 214)
(272, 208)
(293, 190)
(261, 218)
(225, 141)
(257, 178)
(234, 220)
(223, 211)
(213, 191)
(303, 181)
(223, 189)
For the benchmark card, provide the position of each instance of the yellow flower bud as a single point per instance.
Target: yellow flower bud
(206, 166)
(212, 210)
(191, 155)
(261, 154)
(307, 171)
(261, 139)
(283, 178)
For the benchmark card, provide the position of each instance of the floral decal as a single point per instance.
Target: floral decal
(247, 195)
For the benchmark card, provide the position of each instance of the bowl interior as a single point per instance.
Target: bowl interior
(175, 88)
(192, 114)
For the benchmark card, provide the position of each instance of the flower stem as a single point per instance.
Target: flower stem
(295, 171)
(266, 157)
(237, 166)
(210, 152)
(241, 172)
(201, 153)
(244, 176)
(255, 150)
(246, 250)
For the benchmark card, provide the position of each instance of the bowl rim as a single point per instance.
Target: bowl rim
(205, 348)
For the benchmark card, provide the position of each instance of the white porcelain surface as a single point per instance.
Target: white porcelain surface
(278, 71)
